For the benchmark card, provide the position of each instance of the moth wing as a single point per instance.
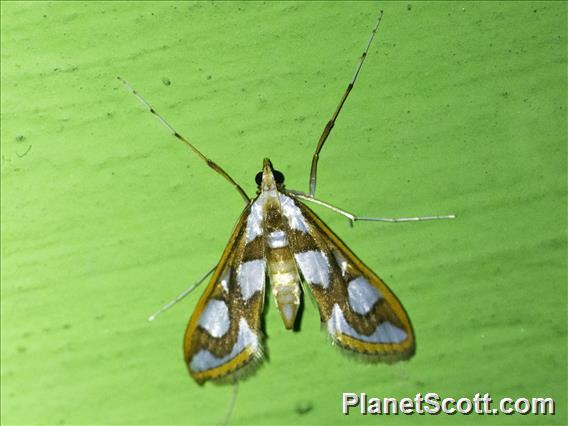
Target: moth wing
(224, 333)
(359, 311)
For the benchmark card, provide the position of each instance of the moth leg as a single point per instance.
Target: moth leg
(331, 122)
(232, 403)
(209, 162)
(181, 295)
(353, 218)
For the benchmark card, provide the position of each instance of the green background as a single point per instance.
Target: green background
(460, 108)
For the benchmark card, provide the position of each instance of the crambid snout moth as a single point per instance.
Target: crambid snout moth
(280, 238)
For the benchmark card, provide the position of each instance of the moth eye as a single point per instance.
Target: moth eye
(258, 178)
(278, 177)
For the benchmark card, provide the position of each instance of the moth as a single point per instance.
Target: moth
(279, 239)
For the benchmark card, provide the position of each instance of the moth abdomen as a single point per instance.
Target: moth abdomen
(284, 278)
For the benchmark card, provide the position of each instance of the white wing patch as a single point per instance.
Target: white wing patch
(384, 333)
(293, 213)
(341, 261)
(215, 318)
(362, 295)
(225, 280)
(205, 360)
(251, 277)
(314, 266)
(254, 220)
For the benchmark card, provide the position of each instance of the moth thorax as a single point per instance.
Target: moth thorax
(284, 279)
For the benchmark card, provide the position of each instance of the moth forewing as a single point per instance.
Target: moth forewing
(357, 308)
(224, 333)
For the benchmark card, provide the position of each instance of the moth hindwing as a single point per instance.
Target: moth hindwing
(279, 237)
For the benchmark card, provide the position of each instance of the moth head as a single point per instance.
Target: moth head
(269, 178)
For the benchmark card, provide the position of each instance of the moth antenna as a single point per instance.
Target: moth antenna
(354, 218)
(180, 296)
(208, 161)
(331, 122)
(404, 219)
(232, 403)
